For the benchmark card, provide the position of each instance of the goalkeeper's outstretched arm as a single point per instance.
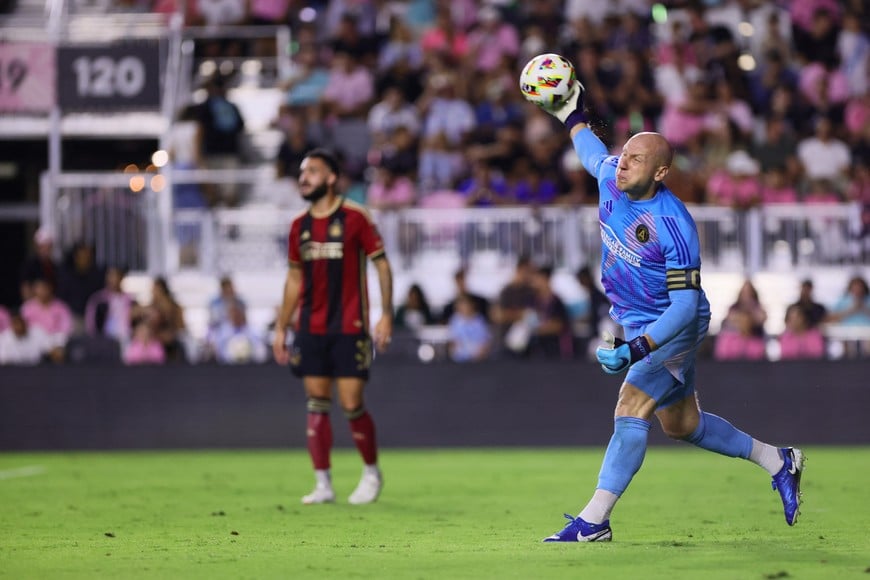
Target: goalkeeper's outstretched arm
(588, 146)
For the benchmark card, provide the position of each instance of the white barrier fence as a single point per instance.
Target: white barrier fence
(777, 238)
(130, 221)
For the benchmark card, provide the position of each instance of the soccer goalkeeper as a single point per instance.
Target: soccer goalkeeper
(650, 269)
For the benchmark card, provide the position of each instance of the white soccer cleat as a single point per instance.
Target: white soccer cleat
(368, 489)
(320, 494)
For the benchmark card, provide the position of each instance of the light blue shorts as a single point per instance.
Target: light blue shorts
(668, 374)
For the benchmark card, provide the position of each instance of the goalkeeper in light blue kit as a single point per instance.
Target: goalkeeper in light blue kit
(650, 269)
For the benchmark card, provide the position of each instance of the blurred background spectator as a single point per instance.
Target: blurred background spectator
(742, 334)
(551, 336)
(481, 304)
(222, 127)
(39, 265)
(853, 309)
(470, 336)
(414, 312)
(49, 314)
(96, 345)
(516, 302)
(117, 319)
(220, 306)
(800, 340)
(79, 277)
(165, 319)
(144, 348)
(23, 344)
(233, 341)
(814, 312)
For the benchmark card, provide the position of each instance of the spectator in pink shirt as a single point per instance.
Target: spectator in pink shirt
(737, 185)
(684, 115)
(48, 313)
(492, 40)
(144, 348)
(824, 87)
(444, 38)
(390, 190)
(856, 117)
(742, 334)
(822, 192)
(799, 340)
(776, 188)
(350, 89)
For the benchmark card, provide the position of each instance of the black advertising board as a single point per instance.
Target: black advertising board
(118, 76)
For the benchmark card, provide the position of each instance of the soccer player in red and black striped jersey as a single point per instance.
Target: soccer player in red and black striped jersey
(326, 294)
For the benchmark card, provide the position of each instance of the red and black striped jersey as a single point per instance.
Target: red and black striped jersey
(331, 251)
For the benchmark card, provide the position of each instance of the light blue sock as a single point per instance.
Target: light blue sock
(624, 454)
(716, 434)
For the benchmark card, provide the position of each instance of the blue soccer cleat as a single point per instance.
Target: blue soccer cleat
(579, 530)
(788, 482)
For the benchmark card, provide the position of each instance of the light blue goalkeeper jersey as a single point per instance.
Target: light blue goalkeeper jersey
(648, 247)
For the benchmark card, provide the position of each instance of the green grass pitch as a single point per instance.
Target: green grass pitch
(477, 513)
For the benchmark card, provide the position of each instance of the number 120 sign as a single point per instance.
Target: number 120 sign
(26, 77)
(115, 76)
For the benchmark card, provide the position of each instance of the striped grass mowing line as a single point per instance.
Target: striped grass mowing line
(26, 471)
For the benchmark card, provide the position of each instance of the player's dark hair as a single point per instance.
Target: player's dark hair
(524, 260)
(327, 157)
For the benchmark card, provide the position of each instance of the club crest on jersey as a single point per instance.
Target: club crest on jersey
(642, 233)
(335, 230)
(305, 235)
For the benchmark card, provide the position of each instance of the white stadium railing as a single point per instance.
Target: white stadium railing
(140, 229)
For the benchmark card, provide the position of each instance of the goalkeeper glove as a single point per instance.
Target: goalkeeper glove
(571, 111)
(620, 355)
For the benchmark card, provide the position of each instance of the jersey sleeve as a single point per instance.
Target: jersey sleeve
(679, 242)
(370, 238)
(680, 245)
(294, 255)
(591, 150)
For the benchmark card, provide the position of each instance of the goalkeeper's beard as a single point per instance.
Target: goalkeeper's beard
(316, 194)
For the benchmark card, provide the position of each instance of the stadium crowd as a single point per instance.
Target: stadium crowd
(77, 312)
(766, 102)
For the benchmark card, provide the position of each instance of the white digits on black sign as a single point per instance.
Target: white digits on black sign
(103, 77)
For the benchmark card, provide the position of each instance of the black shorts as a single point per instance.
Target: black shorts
(331, 355)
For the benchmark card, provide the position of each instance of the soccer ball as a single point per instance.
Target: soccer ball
(547, 80)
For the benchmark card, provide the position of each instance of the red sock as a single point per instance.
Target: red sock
(363, 430)
(319, 439)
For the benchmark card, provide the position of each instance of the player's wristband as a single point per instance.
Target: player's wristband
(639, 348)
(576, 117)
